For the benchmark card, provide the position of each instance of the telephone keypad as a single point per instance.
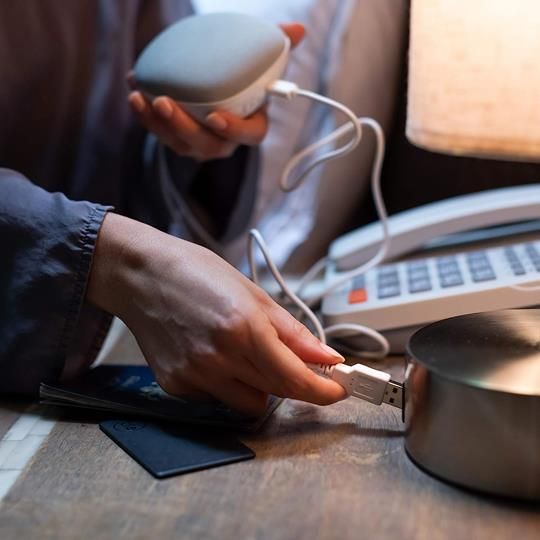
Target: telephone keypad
(417, 273)
(358, 293)
(517, 269)
(451, 280)
(418, 277)
(388, 284)
(445, 273)
(420, 285)
(412, 293)
(388, 280)
(484, 274)
(513, 260)
(534, 255)
(477, 260)
(359, 282)
(448, 271)
(388, 291)
(447, 265)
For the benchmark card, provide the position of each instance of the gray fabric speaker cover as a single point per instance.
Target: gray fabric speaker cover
(208, 58)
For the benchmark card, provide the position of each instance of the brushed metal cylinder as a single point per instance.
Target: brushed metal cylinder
(472, 401)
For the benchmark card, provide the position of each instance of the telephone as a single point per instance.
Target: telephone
(398, 297)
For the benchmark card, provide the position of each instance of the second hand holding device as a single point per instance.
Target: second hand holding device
(220, 61)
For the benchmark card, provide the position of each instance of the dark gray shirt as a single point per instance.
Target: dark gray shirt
(70, 149)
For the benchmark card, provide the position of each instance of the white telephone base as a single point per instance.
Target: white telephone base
(412, 229)
(398, 298)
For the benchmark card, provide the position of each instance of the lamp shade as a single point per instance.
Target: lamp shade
(474, 77)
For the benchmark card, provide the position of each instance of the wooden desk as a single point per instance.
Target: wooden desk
(338, 472)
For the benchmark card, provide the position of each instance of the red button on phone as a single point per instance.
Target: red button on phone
(357, 296)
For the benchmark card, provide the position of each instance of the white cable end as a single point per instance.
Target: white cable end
(284, 89)
(362, 382)
(393, 394)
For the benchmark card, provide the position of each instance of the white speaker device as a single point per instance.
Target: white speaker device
(218, 61)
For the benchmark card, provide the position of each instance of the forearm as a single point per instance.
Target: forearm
(116, 256)
(126, 261)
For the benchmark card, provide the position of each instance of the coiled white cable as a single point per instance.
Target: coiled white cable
(309, 150)
(289, 90)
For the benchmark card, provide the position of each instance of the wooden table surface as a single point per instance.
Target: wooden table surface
(338, 472)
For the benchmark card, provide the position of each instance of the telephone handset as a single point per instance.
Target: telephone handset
(412, 229)
(399, 297)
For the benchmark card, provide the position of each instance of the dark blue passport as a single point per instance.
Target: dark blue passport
(166, 450)
(133, 390)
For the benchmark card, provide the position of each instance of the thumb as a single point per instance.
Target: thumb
(301, 341)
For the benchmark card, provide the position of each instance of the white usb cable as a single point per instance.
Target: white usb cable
(363, 382)
(359, 380)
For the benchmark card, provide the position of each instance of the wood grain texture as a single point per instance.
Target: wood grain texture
(338, 472)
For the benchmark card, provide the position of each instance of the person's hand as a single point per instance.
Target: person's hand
(221, 132)
(202, 325)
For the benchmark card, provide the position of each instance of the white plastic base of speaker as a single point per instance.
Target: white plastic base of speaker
(249, 99)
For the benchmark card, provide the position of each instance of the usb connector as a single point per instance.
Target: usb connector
(284, 89)
(364, 383)
(393, 394)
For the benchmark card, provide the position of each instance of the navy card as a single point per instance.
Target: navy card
(166, 450)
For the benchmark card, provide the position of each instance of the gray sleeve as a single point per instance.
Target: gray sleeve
(46, 247)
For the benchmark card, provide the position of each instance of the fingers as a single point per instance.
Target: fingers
(288, 375)
(300, 340)
(181, 388)
(245, 371)
(217, 139)
(295, 32)
(222, 131)
(250, 130)
(246, 398)
(178, 130)
(130, 79)
(239, 396)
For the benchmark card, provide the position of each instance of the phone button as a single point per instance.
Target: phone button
(419, 285)
(388, 291)
(358, 296)
(486, 274)
(451, 280)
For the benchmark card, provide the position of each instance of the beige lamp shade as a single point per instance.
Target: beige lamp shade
(474, 77)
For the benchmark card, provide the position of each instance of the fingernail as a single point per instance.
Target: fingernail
(130, 79)
(163, 107)
(137, 101)
(216, 121)
(331, 351)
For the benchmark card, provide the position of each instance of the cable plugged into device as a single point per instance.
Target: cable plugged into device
(295, 297)
(360, 381)
(284, 89)
(364, 382)
(289, 90)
